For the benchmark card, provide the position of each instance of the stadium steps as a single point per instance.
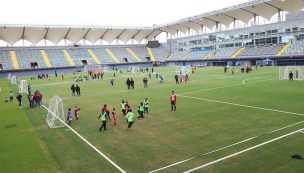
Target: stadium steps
(92, 54)
(284, 48)
(14, 59)
(46, 58)
(237, 52)
(151, 54)
(210, 54)
(68, 57)
(112, 55)
(134, 54)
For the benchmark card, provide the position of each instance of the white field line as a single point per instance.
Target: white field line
(245, 80)
(243, 151)
(302, 131)
(228, 146)
(227, 86)
(87, 142)
(241, 105)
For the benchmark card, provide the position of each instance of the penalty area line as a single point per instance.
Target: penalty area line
(87, 142)
(228, 146)
(243, 151)
(241, 105)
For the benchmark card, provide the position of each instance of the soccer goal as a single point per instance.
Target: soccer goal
(94, 68)
(9, 76)
(183, 70)
(14, 80)
(297, 72)
(23, 86)
(55, 117)
(133, 69)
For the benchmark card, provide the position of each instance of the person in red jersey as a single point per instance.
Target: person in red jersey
(114, 116)
(173, 101)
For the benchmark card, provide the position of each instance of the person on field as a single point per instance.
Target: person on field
(141, 110)
(173, 101)
(11, 96)
(130, 117)
(69, 117)
(128, 82)
(146, 106)
(176, 79)
(290, 75)
(103, 117)
(76, 113)
(145, 81)
(77, 88)
(123, 107)
(19, 98)
(73, 89)
(114, 114)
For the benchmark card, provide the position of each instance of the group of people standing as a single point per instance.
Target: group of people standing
(75, 90)
(35, 99)
(76, 114)
(130, 83)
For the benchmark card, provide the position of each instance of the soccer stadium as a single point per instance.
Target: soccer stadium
(218, 92)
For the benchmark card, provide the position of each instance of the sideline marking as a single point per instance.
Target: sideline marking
(241, 105)
(243, 151)
(228, 146)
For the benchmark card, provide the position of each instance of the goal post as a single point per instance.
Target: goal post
(133, 69)
(55, 117)
(183, 70)
(94, 68)
(297, 72)
(14, 80)
(23, 86)
(9, 76)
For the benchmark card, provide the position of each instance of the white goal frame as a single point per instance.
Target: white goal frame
(23, 87)
(14, 80)
(298, 72)
(133, 69)
(95, 68)
(183, 70)
(55, 112)
(9, 76)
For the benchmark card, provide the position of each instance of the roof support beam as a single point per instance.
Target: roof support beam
(85, 35)
(138, 31)
(45, 35)
(101, 37)
(152, 33)
(23, 31)
(66, 35)
(120, 34)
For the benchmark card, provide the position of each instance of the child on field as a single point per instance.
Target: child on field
(114, 114)
(69, 117)
(76, 113)
(141, 110)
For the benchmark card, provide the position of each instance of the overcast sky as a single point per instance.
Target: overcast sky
(109, 12)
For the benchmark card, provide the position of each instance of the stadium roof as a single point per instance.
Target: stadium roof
(243, 12)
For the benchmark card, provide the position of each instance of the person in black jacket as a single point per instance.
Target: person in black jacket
(73, 89)
(77, 88)
(128, 82)
(132, 83)
(19, 98)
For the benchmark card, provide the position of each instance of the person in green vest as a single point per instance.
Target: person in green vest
(103, 117)
(141, 110)
(123, 107)
(130, 117)
(146, 106)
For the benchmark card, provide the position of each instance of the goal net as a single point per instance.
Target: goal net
(14, 80)
(183, 70)
(297, 72)
(133, 69)
(55, 117)
(23, 86)
(9, 76)
(94, 69)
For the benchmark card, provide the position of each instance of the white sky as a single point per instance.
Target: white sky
(105, 12)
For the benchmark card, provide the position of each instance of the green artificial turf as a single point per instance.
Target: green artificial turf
(213, 110)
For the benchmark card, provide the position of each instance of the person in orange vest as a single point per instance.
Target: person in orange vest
(173, 101)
